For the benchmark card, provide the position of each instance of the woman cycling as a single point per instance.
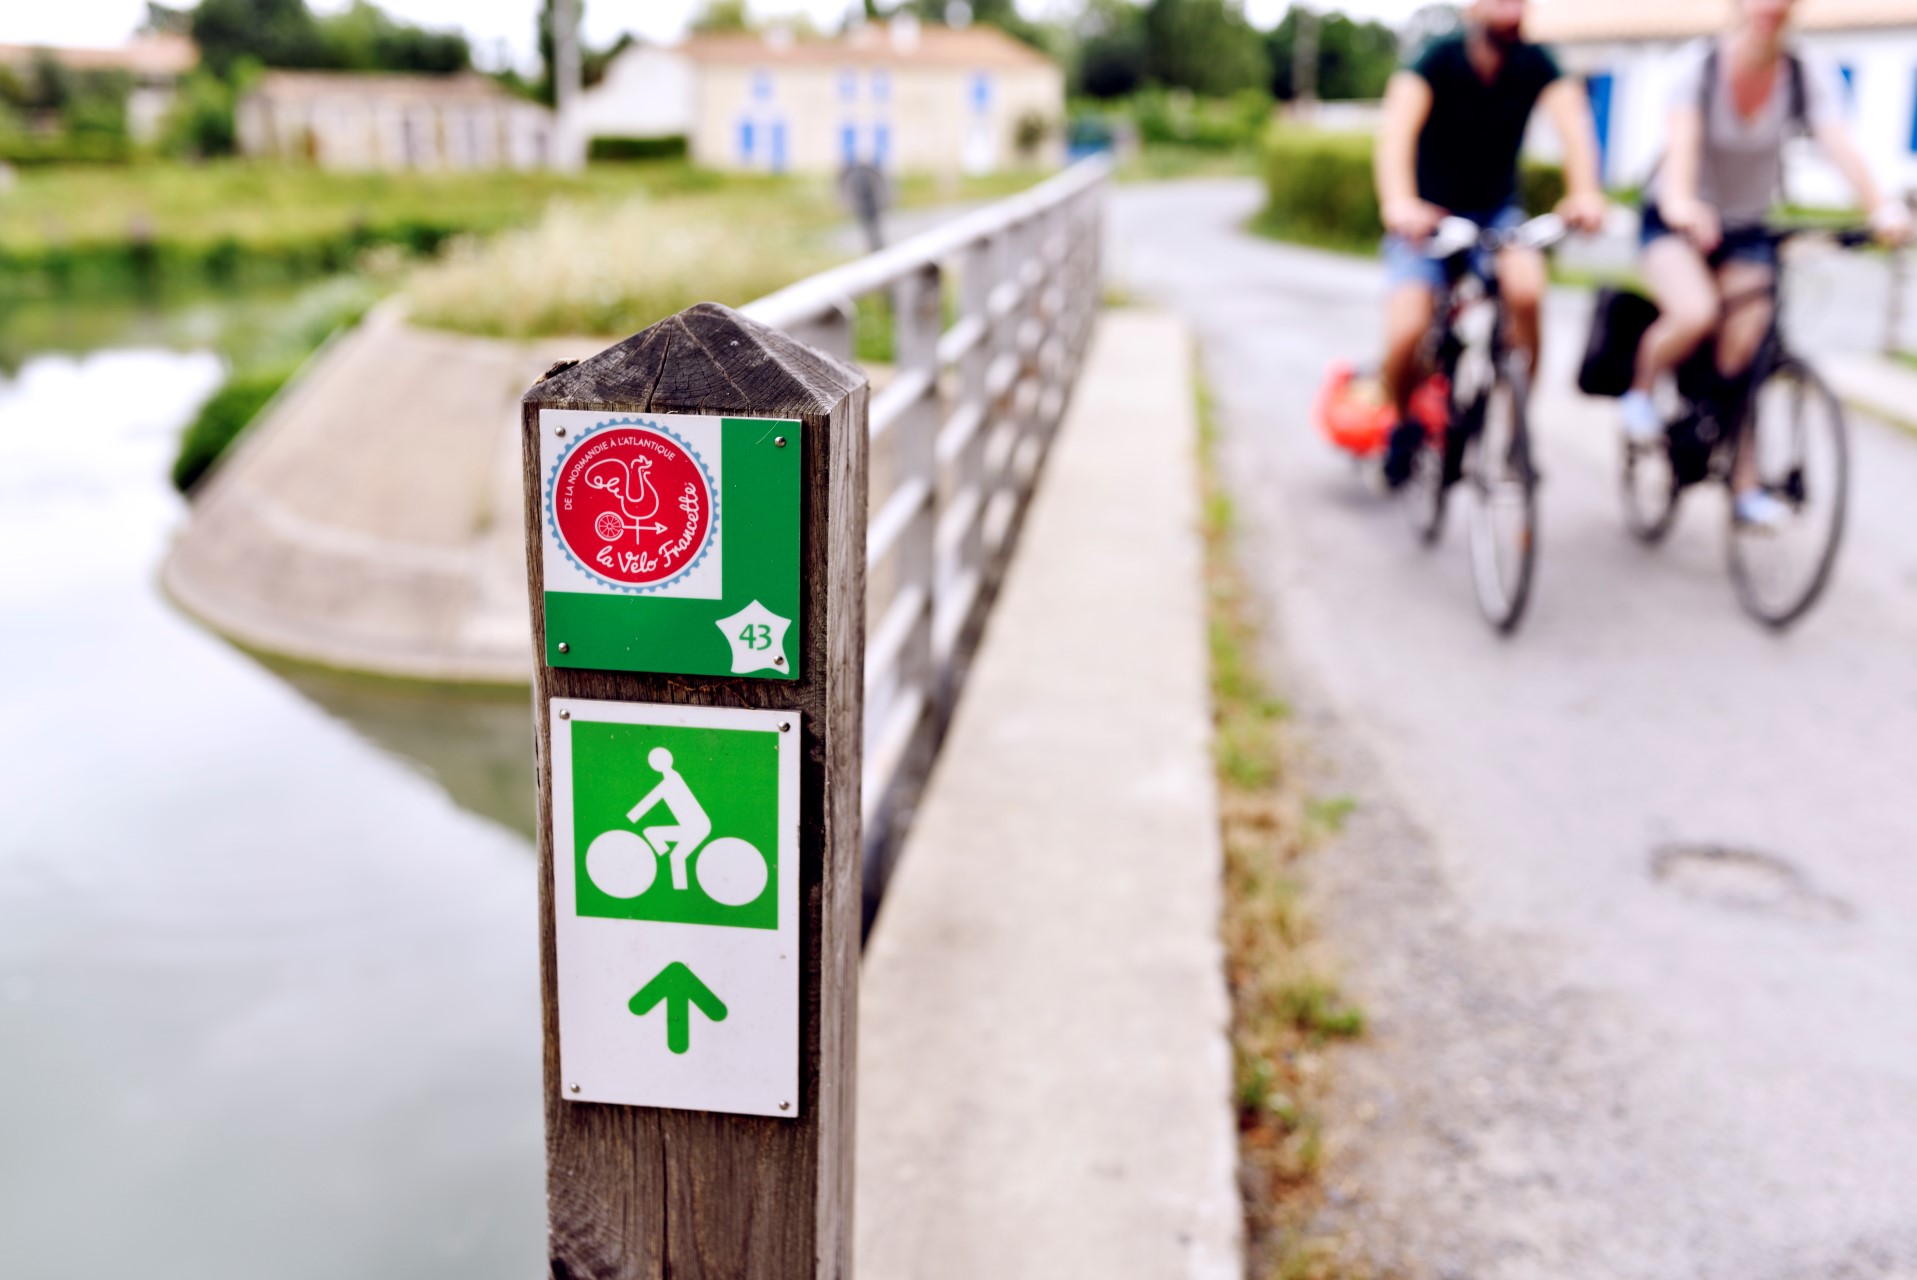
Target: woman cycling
(1737, 98)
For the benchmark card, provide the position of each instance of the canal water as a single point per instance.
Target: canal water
(268, 966)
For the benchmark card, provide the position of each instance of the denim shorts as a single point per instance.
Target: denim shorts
(1738, 244)
(1406, 263)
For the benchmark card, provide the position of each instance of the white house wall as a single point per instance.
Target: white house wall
(930, 119)
(647, 93)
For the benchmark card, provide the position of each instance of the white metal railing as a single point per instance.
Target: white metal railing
(960, 424)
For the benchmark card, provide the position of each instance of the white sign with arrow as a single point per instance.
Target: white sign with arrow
(675, 843)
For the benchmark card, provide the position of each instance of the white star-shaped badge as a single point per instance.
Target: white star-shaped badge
(757, 637)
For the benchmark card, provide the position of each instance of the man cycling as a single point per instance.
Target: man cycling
(1448, 144)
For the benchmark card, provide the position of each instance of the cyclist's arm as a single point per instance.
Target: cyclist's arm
(1568, 109)
(1407, 105)
(1677, 200)
(1835, 139)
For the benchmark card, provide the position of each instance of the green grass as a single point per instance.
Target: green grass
(260, 365)
(73, 230)
(222, 418)
(1285, 1008)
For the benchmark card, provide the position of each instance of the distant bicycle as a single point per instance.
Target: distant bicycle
(1797, 429)
(1485, 444)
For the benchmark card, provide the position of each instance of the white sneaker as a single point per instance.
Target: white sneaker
(1642, 424)
(1760, 510)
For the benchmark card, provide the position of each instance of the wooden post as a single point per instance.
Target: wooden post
(640, 1191)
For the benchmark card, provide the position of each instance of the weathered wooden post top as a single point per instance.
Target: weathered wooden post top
(695, 537)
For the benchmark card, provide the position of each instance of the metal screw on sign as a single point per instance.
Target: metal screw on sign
(785, 726)
(564, 647)
(565, 715)
(779, 443)
(574, 1088)
(785, 1106)
(559, 431)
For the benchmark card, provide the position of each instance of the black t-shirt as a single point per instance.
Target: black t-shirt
(1468, 151)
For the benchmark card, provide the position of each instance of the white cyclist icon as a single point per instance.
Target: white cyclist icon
(622, 864)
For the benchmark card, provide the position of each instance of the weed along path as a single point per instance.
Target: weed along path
(1628, 899)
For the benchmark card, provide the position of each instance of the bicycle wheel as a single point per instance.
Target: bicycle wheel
(1803, 458)
(1425, 493)
(1650, 491)
(1503, 483)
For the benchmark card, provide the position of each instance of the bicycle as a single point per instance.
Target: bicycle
(1783, 410)
(1486, 442)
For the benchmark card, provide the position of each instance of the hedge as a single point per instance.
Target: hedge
(671, 147)
(1319, 190)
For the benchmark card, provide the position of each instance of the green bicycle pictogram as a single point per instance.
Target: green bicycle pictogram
(655, 858)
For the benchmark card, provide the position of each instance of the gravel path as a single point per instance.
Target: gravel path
(1630, 898)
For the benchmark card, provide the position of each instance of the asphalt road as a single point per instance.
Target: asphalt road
(1596, 1050)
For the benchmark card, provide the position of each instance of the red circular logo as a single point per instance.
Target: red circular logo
(632, 505)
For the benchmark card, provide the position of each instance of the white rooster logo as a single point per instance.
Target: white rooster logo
(632, 490)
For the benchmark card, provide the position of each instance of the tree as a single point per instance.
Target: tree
(363, 38)
(284, 33)
(1354, 58)
(1205, 46)
(1111, 60)
(280, 33)
(722, 15)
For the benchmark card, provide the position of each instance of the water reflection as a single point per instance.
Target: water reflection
(476, 744)
(268, 997)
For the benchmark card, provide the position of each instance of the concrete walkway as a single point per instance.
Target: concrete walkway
(371, 520)
(1044, 1073)
(1875, 384)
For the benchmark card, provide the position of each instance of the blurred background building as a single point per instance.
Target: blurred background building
(1624, 50)
(896, 94)
(151, 63)
(356, 120)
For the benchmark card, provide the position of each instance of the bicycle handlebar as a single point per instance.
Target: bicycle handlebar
(1456, 236)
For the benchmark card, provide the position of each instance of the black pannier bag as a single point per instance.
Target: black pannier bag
(1610, 354)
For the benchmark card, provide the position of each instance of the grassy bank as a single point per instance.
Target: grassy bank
(70, 231)
(75, 231)
(1285, 1009)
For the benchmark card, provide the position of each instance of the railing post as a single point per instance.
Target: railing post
(962, 574)
(695, 533)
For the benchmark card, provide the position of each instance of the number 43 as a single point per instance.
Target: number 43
(756, 636)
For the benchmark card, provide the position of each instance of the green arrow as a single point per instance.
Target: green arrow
(680, 988)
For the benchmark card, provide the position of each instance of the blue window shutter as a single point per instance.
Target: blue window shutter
(848, 145)
(745, 141)
(881, 144)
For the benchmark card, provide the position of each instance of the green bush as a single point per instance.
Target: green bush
(671, 147)
(221, 419)
(1212, 124)
(1319, 188)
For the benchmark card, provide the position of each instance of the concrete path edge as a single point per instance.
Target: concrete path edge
(1044, 1068)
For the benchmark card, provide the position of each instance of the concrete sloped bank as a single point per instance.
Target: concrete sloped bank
(372, 522)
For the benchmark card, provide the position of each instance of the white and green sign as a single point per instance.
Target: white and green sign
(675, 901)
(670, 542)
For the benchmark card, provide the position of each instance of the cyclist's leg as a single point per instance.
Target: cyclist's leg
(1521, 280)
(1408, 315)
(1687, 303)
(1745, 281)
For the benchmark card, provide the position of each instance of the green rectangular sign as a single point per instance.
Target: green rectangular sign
(671, 542)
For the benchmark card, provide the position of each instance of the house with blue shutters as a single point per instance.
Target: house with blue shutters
(1624, 49)
(905, 97)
